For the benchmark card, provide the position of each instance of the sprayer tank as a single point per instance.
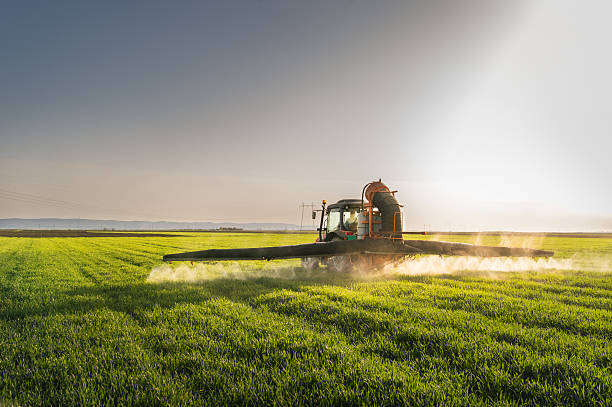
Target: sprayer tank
(362, 226)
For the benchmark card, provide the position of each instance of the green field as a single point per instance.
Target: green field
(80, 324)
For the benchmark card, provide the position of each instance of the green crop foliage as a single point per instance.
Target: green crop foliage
(81, 324)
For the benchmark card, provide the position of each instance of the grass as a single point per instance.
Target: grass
(80, 324)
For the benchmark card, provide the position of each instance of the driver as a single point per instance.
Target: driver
(350, 222)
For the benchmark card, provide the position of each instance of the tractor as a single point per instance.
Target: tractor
(361, 233)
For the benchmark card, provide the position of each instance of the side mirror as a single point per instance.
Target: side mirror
(314, 214)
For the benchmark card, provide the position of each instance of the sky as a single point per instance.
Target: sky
(483, 115)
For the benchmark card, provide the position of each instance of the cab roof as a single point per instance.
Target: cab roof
(352, 203)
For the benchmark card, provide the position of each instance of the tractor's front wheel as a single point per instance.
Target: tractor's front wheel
(310, 263)
(340, 264)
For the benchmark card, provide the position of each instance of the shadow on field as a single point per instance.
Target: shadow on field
(133, 298)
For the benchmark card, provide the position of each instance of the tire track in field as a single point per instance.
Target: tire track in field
(125, 262)
(245, 335)
(114, 262)
(457, 320)
(568, 279)
(509, 328)
(92, 263)
(566, 295)
(82, 256)
(95, 262)
(129, 247)
(499, 306)
(573, 296)
(459, 348)
(558, 286)
(404, 302)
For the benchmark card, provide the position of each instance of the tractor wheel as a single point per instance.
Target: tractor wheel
(341, 264)
(310, 263)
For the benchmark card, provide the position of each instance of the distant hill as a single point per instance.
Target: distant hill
(100, 224)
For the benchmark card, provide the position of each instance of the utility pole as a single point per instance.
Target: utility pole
(302, 216)
(302, 206)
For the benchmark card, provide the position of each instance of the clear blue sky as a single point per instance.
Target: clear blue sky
(484, 115)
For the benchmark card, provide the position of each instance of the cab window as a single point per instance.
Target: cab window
(349, 219)
(333, 220)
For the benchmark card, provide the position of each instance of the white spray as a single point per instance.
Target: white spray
(421, 265)
(443, 265)
(425, 265)
(185, 272)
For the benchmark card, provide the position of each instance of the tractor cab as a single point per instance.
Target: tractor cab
(342, 220)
